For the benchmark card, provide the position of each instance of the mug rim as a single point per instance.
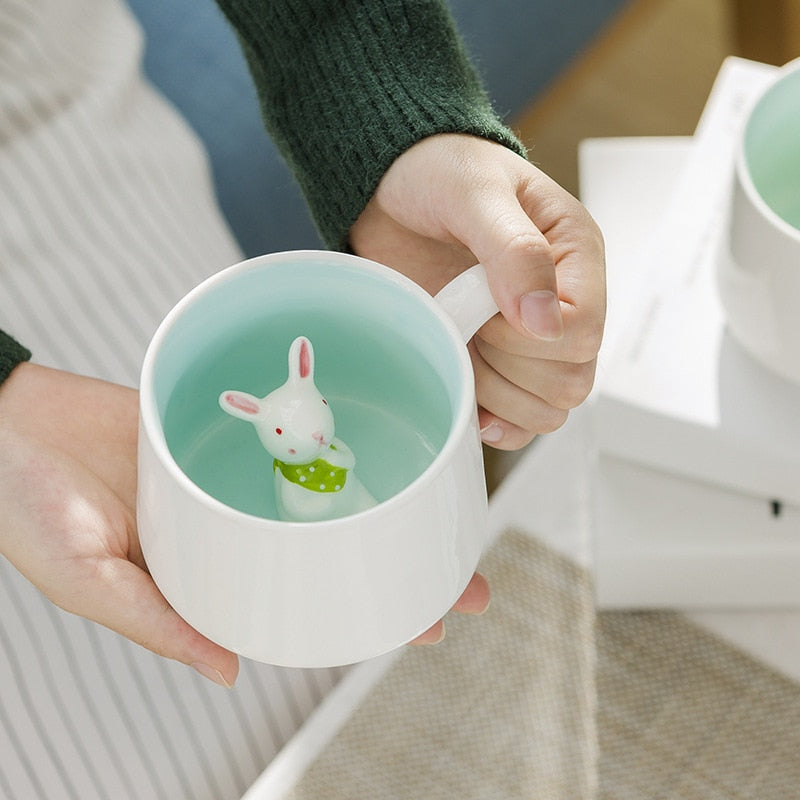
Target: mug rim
(150, 416)
(791, 68)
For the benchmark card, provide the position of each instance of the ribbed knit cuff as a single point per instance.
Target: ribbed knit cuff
(11, 354)
(346, 87)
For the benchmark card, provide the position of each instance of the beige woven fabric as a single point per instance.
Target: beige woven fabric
(684, 716)
(502, 709)
(505, 707)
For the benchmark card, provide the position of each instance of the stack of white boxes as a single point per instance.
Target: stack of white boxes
(697, 485)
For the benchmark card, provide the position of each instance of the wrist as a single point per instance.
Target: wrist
(12, 353)
(398, 74)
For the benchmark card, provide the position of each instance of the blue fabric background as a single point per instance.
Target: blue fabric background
(192, 55)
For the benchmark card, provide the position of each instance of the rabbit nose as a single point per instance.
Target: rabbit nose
(318, 437)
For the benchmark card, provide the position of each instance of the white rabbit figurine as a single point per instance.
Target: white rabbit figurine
(313, 470)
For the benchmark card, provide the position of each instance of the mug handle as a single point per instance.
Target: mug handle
(468, 301)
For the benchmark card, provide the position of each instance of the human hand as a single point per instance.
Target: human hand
(68, 500)
(453, 200)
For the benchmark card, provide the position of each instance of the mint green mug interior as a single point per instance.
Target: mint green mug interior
(772, 148)
(383, 359)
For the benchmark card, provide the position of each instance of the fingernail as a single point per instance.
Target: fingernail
(492, 433)
(212, 674)
(441, 638)
(541, 315)
(421, 642)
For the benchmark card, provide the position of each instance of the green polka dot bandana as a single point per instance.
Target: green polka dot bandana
(318, 476)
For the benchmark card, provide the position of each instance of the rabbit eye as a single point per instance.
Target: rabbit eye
(278, 431)
(324, 401)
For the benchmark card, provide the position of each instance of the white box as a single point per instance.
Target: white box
(698, 444)
(662, 541)
(674, 392)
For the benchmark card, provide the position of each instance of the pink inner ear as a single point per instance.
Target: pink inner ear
(241, 403)
(305, 360)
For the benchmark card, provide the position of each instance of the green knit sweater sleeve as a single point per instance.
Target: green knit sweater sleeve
(11, 354)
(346, 86)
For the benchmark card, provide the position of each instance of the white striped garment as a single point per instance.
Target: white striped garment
(107, 217)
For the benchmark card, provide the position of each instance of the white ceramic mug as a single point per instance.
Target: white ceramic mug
(393, 364)
(759, 268)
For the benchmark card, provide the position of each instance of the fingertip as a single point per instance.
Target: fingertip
(433, 635)
(214, 674)
(219, 665)
(492, 434)
(476, 598)
(503, 435)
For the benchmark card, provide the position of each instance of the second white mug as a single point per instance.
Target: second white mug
(759, 270)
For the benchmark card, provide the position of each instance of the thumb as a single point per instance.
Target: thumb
(520, 268)
(128, 601)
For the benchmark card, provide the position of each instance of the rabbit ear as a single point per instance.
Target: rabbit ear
(240, 404)
(301, 360)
